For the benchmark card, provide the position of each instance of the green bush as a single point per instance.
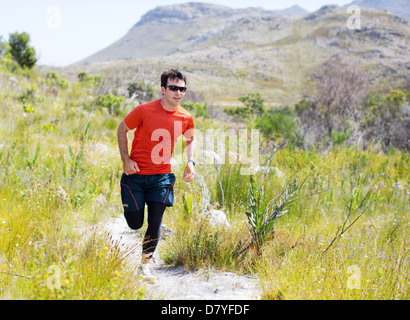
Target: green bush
(276, 123)
(339, 137)
(197, 108)
(54, 79)
(384, 118)
(112, 103)
(253, 103)
(144, 91)
(396, 97)
(253, 106)
(22, 53)
(29, 94)
(85, 78)
(82, 76)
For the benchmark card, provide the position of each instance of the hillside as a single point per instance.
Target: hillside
(63, 234)
(321, 217)
(398, 7)
(228, 53)
(193, 25)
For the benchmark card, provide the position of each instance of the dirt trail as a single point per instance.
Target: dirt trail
(178, 284)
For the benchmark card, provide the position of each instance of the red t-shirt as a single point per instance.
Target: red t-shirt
(157, 131)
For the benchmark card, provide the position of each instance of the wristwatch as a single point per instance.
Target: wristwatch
(190, 160)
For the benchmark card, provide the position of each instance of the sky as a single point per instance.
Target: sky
(66, 31)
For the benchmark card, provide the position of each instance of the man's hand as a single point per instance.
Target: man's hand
(130, 166)
(189, 172)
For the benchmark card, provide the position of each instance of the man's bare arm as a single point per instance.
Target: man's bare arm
(130, 166)
(189, 172)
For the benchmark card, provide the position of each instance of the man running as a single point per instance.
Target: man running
(147, 177)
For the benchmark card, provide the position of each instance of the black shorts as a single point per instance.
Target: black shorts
(136, 190)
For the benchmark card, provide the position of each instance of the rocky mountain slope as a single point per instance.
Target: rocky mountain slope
(229, 53)
(185, 27)
(398, 7)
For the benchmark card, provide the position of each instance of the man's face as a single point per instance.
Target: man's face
(173, 98)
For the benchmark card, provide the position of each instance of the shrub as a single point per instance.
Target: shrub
(84, 77)
(145, 92)
(341, 87)
(339, 137)
(386, 118)
(22, 53)
(263, 215)
(54, 79)
(197, 108)
(29, 94)
(275, 123)
(396, 97)
(112, 103)
(253, 106)
(254, 103)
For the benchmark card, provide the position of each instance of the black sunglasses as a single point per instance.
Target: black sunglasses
(176, 88)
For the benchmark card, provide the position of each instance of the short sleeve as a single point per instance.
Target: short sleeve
(134, 118)
(189, 129)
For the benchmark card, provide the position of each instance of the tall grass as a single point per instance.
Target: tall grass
(58, 169)
(59, 173)
(349, 241)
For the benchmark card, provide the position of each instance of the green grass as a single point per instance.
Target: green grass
(58, 178)
(370, 260)
(59, 175)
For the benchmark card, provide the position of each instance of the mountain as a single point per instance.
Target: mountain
(228, 53)
(398, 7)
(295, 11)
(184, 27)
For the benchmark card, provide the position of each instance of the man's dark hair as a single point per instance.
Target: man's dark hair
(171, 74)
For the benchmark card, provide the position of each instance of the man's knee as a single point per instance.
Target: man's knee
(135, 219)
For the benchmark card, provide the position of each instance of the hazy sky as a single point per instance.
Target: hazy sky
(66, 31)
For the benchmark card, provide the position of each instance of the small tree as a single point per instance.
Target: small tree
(20, 50)
(112, 103)
(277, 122)
(143, 91)
(83, 76)
(386, 118)
(253, 103)
(341, 88)
(253, 106)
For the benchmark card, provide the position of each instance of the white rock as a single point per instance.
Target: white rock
(217, 218)
(269, 169)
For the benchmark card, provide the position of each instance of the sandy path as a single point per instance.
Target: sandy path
(178, 284)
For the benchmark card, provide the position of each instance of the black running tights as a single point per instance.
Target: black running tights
(135, 220)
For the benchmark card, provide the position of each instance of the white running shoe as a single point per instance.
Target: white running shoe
(144, 271)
